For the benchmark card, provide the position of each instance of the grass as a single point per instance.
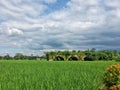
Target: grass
(43, 75)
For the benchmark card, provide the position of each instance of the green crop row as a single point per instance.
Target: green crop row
(43, 75)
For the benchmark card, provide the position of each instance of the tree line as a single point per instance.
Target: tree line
(20, 56)
(87, 55)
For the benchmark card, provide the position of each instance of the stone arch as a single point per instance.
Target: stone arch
(73, 58)
(81, 57)
(59, 58)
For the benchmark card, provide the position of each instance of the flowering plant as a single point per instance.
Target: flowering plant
(112, 77)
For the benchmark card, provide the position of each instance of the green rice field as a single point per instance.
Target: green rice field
(52, 75)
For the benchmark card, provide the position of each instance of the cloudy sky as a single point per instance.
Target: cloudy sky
(34, 26)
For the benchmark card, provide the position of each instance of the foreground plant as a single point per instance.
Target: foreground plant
(112, 78)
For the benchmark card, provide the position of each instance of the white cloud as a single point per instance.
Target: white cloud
(14, 32)
(117, 13)
(80, 24)
(112, 3)
(83, 25)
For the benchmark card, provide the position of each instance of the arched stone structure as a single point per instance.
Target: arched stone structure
(59, 58)
(73, 58)
(66, 57)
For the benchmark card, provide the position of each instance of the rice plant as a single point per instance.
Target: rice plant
(45, 75)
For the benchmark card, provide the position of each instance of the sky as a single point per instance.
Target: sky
(36, 26)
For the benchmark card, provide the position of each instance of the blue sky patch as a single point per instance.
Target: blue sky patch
(60, 4)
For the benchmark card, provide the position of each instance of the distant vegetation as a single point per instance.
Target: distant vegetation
(74, 55)
(20, 56)
(87, 55)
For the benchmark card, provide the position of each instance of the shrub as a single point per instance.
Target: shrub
(117, 58)
(112, 77)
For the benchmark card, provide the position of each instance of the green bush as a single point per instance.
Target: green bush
(117, 58)
(112, 77)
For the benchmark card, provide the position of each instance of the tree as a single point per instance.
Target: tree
(19, 56)
(1, 57)
(93, 49)
(7, 57)
(47, 55)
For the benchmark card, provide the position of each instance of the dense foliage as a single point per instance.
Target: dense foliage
(112, 77)
(87, 55)
(42, 75)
